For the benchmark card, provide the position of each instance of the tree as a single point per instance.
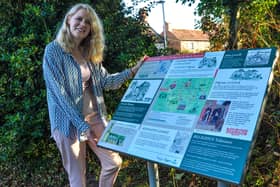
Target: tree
(260, 24)
(249, 23)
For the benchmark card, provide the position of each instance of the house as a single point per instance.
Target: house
(190, 41)
(185, 40)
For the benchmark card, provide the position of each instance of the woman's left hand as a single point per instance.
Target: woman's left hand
(135, 68)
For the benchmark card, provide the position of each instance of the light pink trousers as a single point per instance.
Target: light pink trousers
(73, 155)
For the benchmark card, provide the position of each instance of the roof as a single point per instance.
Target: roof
(187, 35)
(152, 32)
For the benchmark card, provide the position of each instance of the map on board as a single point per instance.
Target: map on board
(182, 95)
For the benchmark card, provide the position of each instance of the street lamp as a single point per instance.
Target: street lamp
(153, 167)
(164, 26)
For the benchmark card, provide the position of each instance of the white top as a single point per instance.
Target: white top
(89, 101)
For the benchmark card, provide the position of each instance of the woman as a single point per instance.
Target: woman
(75, 79)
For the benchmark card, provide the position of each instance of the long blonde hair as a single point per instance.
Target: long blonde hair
(93, 45)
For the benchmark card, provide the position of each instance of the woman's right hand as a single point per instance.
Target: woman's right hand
(91, 140)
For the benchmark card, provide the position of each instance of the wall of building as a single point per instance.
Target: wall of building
(194, 46)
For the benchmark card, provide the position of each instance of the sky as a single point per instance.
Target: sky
(178, 15)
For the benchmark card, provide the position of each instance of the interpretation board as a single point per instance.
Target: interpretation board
(198, 112)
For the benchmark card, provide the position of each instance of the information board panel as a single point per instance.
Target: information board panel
(198, 112)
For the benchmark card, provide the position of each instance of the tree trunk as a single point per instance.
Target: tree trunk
(233, 9)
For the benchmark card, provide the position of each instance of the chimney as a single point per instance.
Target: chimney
(168, 27)
(143, 14)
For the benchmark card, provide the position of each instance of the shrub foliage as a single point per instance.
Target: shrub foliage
(28, 155)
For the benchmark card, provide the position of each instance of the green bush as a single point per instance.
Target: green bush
(28, 156)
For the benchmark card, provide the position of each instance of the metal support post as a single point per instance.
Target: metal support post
(164, 26)
(222, 184)
(153, 174)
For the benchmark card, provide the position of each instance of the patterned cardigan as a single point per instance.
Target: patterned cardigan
(64, 89)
